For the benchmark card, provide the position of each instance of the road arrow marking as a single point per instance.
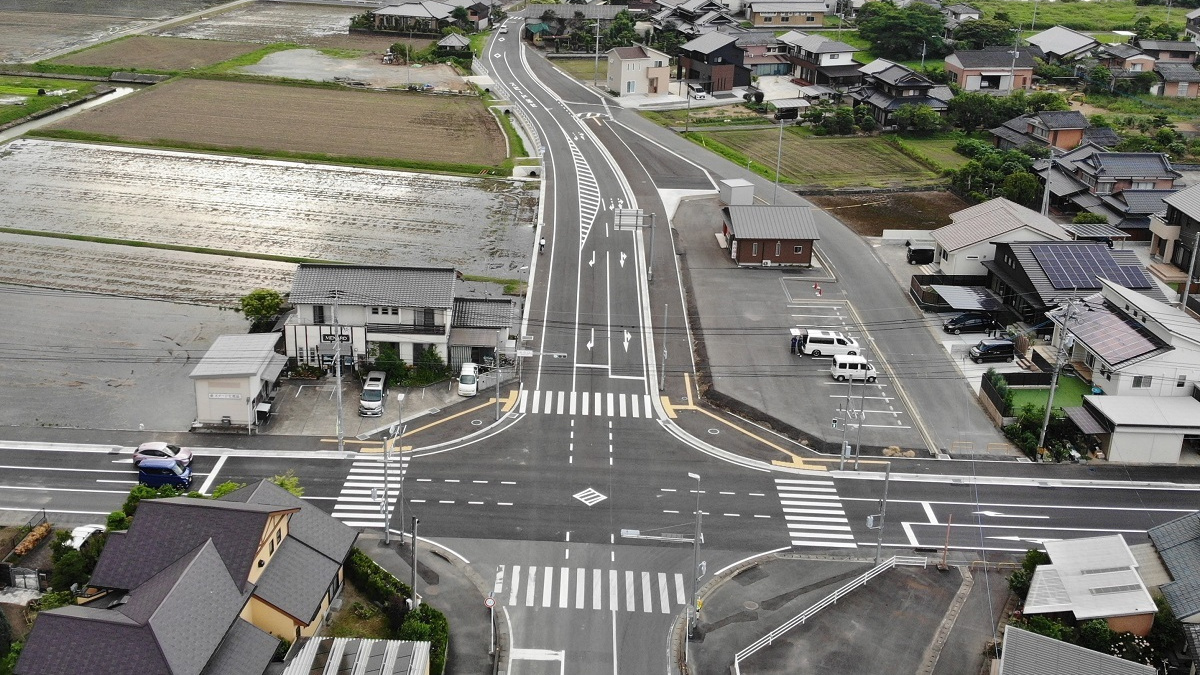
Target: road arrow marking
(623, 259)
(592, 262)
(592, 342)
(997, 514)
(627, 338)
(1031, 540)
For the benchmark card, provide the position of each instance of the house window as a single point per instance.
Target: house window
(778, 248)
(1135, 67)
(1142, 185)
(375, 310)
(630, 87)
(834, 57)
(271, 547)
(754, 249)
(1142, 381)
(945, 255)
(1183, 89)
(426, 317)
(658, 64)
(810, 17)
(318, 314)
(1181, 381)
(1104, 188)
(768, 19)
(785, 18)
(798, 249)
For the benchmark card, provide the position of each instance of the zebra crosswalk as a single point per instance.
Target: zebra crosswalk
(814, 514)
(584, 403)
(545, 587)
(356, 506)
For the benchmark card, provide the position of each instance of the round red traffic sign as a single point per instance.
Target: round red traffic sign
(489, 602)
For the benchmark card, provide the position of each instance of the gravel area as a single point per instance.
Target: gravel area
(310, 64)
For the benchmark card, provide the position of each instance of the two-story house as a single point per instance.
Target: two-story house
(884, 91)
(713, 61)
(1192, 28)
(1058, 129)
(998, 70)
(1170, 51)
(1176, 236)
(1176, 80)
(1144, 356)
(818, 60)
(957, 14)
(406, 307)
(785, 13)
(1124, 61)
(638, 70)
(199, 586)
(765, 56)
(969, 241)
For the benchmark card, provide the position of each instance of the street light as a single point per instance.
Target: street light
(923, 48)
(398, 438)
(694, 611)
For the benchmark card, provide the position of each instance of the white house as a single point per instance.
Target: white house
(638, 70)
(1143, 356)
(969, 239)
(234, 378)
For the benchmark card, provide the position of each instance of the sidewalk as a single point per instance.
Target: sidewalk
(451, 586)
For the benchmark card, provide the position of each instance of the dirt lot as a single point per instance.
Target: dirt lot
(139, 9)
(310, 64)
(300, 119)
(870, 214)
(158, 53)
(26, 37)
(266, 22)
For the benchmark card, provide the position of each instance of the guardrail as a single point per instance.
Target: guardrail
(829, 600)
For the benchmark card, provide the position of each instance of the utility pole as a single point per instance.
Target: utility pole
(596, 74)
(1012, 69)
(694, 610)
(337, 369)
(887, 479)
(1046, 193)
(846, 423)
(1187, 284)
(778, 161)
(662, 378)
(1064, 345)
(498, 371)
(416, 600)
(399, 438)
(862, 417)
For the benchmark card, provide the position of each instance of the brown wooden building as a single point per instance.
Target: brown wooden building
(770, 235)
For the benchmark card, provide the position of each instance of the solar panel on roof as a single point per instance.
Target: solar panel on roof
(1078, 266)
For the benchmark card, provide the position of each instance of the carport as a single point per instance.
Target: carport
(969, 298)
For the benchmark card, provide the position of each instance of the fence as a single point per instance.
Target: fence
(830, 600)
(1013, 380)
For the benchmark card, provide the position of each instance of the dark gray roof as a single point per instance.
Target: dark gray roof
(1119, 50)
(568, 11)
(1183, 561)
(1062, 119)
(1175, 532)
(113, 644)
(1187, 200)
(1140, 202)
(455, 40)
(1102, 136)
(1110, 333)
(771, 222)
(1169, 45)
(1177, 72)
(708, 43)
(1027, 653)
(1045, 291)
(1184, 596)
(375, 285)
(312, 526)
(164, 530)
(897, 74)
(246, 650)
(296, 580)
(482, 313)
(992, 58)
(1178, 544)
(1128, 164)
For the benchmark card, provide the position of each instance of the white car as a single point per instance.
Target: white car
(468, 380)
(82, 533)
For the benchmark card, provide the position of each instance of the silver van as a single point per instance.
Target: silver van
(851, 368)
(826, 343)
(374, 393)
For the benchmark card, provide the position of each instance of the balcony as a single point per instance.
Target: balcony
(407, 329)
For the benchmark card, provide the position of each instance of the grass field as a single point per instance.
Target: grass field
(168, 54)
(27, 86)
(582, 69)
(1106, 15)
(426, 131)
(1069, 394)
(820, 162)
(937, 149)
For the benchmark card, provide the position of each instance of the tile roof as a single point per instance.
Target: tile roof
(423, 9)
(232, 355)
(455, 40)
(961, 9)
(1045, 291)
(1175, 532)
(1128, 164)
(771, 222)
(1139, 202)
(896, 74)
(817, 44)
(482, 313)
(786, 6)
(166, 529)
(1184, 596)
(992, 58)
(1186, 200)
(1060, 41)
(708, 43)
(1169, 45)
(991, 219)
(310, 525)
(1177, 72)
(246, 650)
(374, 285)
(1120, 50)
(875, 66)
(1103, 136)
(1061, 119)
(296, 579)
(627, 53)
(1026, 653)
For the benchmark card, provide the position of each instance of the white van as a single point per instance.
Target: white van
(374, 393)
(468, 380)
(826, 343)
(851, 368)
(696, 91)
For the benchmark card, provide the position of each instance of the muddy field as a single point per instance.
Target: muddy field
(870, 214)
(26, 37)
(267, 22)
(342, 123)
(482, 227)
(144, 52)
(138, 9)
(310, 64)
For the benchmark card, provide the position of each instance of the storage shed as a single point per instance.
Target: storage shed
(235, 379)
(770, 235)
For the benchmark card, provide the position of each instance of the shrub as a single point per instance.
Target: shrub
(281, 650)
(1019, 580)
(71, 569)
(118, 521)
(55, 600)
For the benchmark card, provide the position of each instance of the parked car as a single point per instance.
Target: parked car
(970, 322)
(156, 473)
(159, 450)
(374, 394)
(81, 534)
(468, 380)
(993, 350)
(919, 256)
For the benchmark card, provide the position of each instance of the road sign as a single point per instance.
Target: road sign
(524, 353)
(331, 337)
(489, 602)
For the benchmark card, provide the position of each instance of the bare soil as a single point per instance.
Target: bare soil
(303, 24)
(26, 37)
(872, 213)
(145, 52)
(347, 123)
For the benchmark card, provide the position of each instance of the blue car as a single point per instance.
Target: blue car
(158, 472)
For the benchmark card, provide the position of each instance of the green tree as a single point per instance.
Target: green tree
(1051, 628)
(902, 33)
(840, 123)
(72, 568)
(1019, 580)
(225, 488)
(461, 17)
(261, 306)
(1089, 218)
(388, 360)
(919, 118)
(1045, 100)
(622, 32)
(1021, 187)
(972, 110)
(290, 482)
(1096, 635)
(1098, 80)
(982, 33)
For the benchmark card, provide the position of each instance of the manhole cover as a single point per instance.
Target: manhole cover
(750, 604)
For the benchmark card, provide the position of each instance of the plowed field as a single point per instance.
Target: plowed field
(345, 123)
(158, 53)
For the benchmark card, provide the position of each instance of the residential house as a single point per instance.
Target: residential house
(818, 60)
(884, 91)
(1029, 277)
(963, 246)
(199, 586)
(638, 70)
(406, 307)
(1027, 653)
(454, 42)
(769, 235)
(1063, 45)
(765, 54)
(999, 70)
(1125, 187)
(1124, 58)
(480, 15)
(692, 17)
(1192, 28)
(785, 13)
(957, 14)
(1092, 578)
(714, 61)
(1178, 545)
(1175, 238)
(1143, 357)
(1062, 129)
(480, 326)
(1177, 80)
(236, 379)
(417, 16)
(1170, 51)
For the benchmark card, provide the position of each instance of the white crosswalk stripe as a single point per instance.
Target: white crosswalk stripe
(534, 586)
(814, 514)
(539, 402)
(355, 506)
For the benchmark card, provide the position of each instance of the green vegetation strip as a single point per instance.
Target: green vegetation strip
(25, 86)
(515, 144)
(317, 157)
(165, 247)
(511, 286)
(254, 57)
(1086, 16)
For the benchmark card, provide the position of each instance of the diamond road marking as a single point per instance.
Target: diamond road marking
(590, 497)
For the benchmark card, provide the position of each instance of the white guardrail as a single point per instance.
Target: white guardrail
(829, 600)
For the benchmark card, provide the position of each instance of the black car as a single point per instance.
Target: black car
(970, 322)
